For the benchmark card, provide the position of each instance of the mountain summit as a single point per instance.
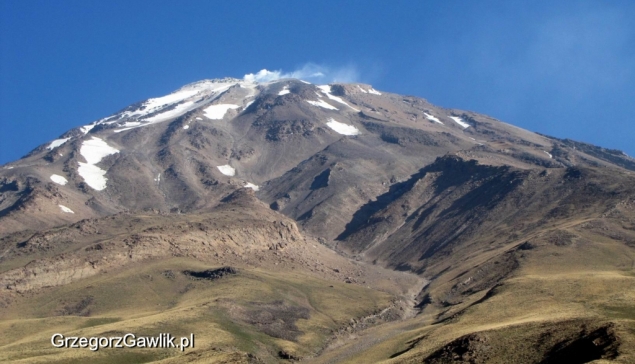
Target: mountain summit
(342, 144)
(294, 217)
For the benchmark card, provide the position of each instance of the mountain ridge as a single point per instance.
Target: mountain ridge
(434, 234)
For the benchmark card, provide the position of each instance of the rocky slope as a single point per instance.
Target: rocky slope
(317, 153)
(338, 186)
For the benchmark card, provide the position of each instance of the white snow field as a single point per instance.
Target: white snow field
(326, 89)
(252, 186)
(217, 112)
(206, 87)
(56, 143)
(93, 151)
(66, 209)
(342, 128)
(432, 118)
(322, 103)
(59, 179)
(460, 121)
(227, 170)
(248, 104)
(178, 110)
(86, 128)
(168, 107)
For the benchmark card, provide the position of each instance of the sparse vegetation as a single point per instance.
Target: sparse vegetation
(421, 239)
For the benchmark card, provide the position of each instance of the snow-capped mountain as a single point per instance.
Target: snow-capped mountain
(333, 209)
(186, 150)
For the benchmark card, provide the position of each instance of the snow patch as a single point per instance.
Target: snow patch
(158, 103)
(227, 170)
(56, 143)
(158, 179)
(156, 110)
(549, 154)
(432, 118)
(59, 179)
(179, 110)
(460, 121)
(86, 128)
(342, 128)
(303, 81)
(321, 103)
(131, 123)
(93, 151)
(374, 92)
(248, 104)
(252, 186)
(93, 176)
(66, 209)
(172, 98)
(361, 89)
(284, 91)
(199, 118)
(186, 127)
(217, 112)
(326, 89)
(130, 128)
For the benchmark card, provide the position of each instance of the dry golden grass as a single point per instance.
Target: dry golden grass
(555, 291)
(142, 300)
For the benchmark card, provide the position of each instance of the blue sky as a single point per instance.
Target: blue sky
(565, 69)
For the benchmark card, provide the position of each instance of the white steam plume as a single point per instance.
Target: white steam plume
(309, 72)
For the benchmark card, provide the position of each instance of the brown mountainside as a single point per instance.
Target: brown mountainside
(330, 223)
